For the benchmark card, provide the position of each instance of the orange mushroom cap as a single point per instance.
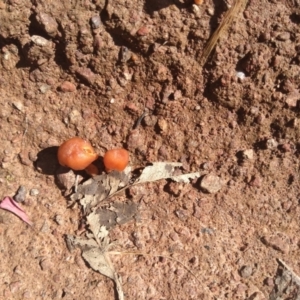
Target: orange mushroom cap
(76, 153)
(116, 159)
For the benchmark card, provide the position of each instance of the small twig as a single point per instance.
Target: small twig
(76, 183)
(25, 130)
(236, 8)
(26, 126)
(139, 120)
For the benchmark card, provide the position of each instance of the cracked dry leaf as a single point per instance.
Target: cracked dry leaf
(117, 213)
(124, 211)
(96, 255)
(100, 262)
(186, 177)
(106, 217)
(99, 231)
(164, 170)
(158, 170)
(98, 188)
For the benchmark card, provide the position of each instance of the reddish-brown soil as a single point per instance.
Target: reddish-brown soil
(92, 69)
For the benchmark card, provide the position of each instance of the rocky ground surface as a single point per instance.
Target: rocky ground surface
(92, 69)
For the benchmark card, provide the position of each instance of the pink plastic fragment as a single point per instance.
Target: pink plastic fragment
(11, 205)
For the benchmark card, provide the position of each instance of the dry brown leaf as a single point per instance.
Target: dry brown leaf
(100, 188)
(158, 170)
(164, 170)
(96, 254)
(93, 191)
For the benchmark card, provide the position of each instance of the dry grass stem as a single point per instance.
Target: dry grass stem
(230, 15)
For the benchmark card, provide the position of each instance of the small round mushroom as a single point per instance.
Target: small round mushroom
(76, 153)
(116, 159)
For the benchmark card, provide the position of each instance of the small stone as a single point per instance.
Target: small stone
(45, 227)
(45, 264)
(135, 139)
(271, 144)
(181, 214)
(59, 219)
(255, 181)
(21, 194)
(284, 36)
(86, 74)
(292, 99)
(18, 105)
(18, 271)
(97, 43)
(150, 120)
(246, 271)
(286, 147)
(254, 110)
(95, 22)
(195, 9)
(125, 54)
(75, 116)
(47, 23)
(132, 107)
(39, 40)
(211, 183)
(44, 88)
(210, 11)
(65, 178)
(278, 243)
(240, 75)
(24, 158)
(162, 125)
(32, 156)
(67, 87)
(248, 154)
(177, 95)
(143, 31)
(150, 103)
(260, 119)
(34, 192)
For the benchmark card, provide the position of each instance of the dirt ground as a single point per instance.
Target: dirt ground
(92, 69)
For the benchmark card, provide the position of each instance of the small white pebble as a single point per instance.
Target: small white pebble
(59, 219)
(271, 144)
(112, 100)
(44, 88)
(211, 11)
(18, 105)
(195, 9)
(39, 40)
(240, 75)
(248, 154)
(34, 192)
